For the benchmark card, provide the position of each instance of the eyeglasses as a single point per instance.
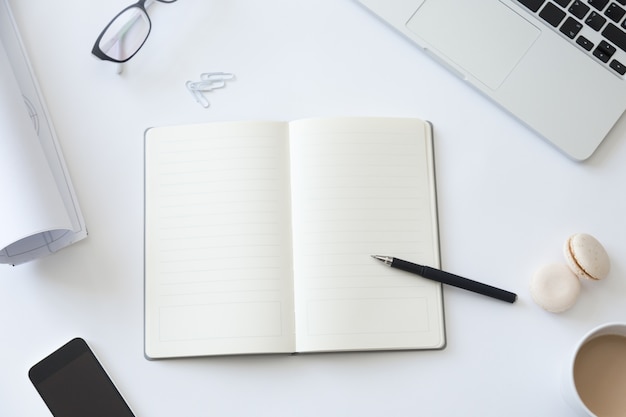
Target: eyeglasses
(124, 36)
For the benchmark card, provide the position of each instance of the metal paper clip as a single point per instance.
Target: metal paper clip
(209, 81)
(216, 76)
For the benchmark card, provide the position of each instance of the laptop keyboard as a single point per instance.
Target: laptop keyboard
(596, 26)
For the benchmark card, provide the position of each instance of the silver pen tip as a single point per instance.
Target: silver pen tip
(384, 259)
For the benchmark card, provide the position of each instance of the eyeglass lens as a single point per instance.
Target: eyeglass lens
(126, 34)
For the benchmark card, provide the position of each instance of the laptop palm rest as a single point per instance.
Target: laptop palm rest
(463, 33)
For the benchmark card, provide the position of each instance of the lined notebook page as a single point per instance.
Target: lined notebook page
(218, 240)
(364, 187)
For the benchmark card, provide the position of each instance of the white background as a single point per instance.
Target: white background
(507, 202)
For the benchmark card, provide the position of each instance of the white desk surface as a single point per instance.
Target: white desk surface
(507, 202)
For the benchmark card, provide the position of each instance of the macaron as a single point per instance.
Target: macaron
(586, 257)
(555, 287)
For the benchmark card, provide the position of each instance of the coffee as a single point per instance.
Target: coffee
(600, 375)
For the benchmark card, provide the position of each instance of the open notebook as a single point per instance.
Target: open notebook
(39, 209)
(258, 237)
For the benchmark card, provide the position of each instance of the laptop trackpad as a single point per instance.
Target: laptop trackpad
(484, 38)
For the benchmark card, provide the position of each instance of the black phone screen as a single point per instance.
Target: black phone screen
(72, 383)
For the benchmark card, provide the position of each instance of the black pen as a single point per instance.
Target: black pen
(448, 278)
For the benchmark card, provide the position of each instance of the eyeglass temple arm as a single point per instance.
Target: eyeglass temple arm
(124, 29)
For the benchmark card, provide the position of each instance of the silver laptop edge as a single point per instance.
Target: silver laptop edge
(509, 55)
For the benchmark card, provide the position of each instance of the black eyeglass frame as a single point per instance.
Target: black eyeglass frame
(141, 5)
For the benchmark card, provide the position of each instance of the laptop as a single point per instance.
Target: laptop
(559, 66)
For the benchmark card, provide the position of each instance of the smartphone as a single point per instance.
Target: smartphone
(73, 383)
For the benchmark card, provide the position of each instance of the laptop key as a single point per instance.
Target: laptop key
(604, 51)
(598, 4)
(571, 27)
(533, 5)
(552, 14)
(615, 35)
(564, 3)
(595, 21)
(585, 43)
(618, 67)
(579, 9)
(615, 13)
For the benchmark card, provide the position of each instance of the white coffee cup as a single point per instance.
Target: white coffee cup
(594, 380)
